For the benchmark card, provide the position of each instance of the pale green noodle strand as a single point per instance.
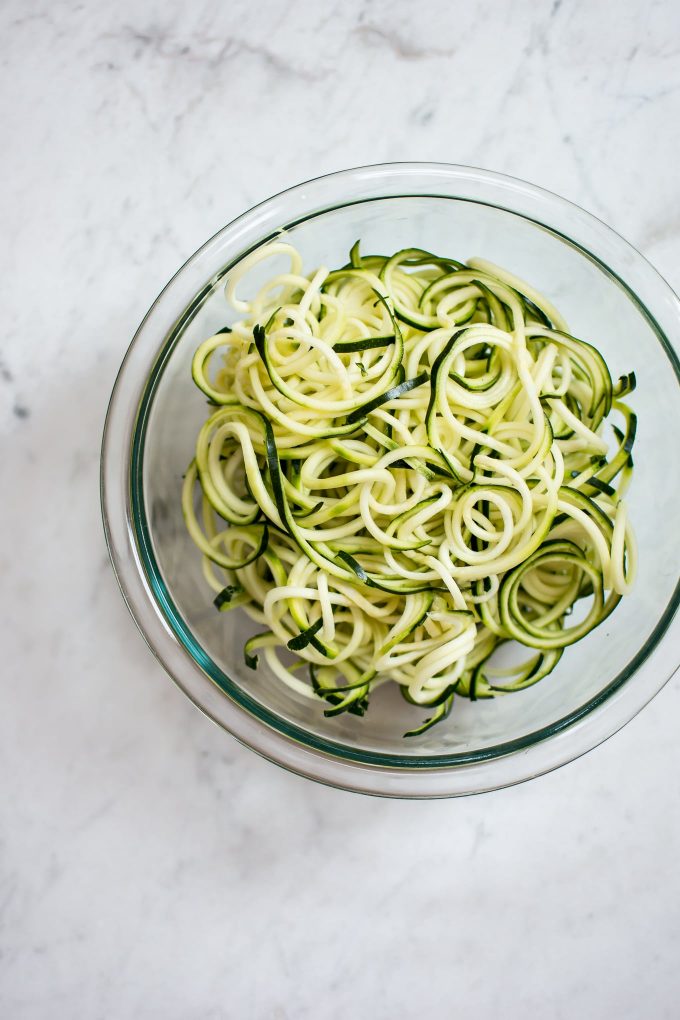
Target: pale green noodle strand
(408, 463)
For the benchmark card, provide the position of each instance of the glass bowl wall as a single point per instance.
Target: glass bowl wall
(608, 294)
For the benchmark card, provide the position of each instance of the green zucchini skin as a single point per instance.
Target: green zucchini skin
(409, 462)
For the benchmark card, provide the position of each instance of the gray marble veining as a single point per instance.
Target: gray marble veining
(149, 865)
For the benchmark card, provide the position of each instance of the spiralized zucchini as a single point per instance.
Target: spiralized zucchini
(405, 467)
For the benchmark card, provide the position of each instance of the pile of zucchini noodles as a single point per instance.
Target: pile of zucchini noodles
(403, 469)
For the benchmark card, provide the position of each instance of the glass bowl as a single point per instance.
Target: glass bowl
(608, 293)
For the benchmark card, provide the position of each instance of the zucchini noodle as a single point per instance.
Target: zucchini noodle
(405, 467)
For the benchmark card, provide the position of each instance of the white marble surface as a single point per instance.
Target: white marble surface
(150, 866)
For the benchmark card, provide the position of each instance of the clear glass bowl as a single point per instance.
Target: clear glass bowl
(608, 293)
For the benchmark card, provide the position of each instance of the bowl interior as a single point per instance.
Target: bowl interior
(599, 308)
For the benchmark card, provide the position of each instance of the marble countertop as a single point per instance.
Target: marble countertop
(149, 865)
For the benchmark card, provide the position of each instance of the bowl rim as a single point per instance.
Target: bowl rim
(130, 546)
